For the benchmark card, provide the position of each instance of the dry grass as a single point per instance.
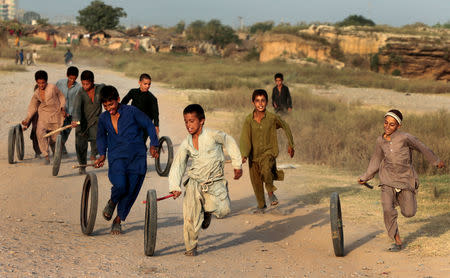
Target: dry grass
(13, 67)
(198, 72)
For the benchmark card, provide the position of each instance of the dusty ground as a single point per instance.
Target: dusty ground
(40, 234)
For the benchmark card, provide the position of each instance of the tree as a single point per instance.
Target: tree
(261, 27)
(98, 16)
(213, 31)
(355, 20)
(28, 17)
(179, 28)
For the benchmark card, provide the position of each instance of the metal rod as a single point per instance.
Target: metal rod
(161, 198)
(83, 165)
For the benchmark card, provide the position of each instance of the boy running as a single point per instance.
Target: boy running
(120, 131)
(48, 102)
(206, 189)
(87, 108)
(392, 158)
(260, 145)
(143, 99)
(69, 87)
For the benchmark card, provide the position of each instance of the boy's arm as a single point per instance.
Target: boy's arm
(145, 123)
(232, 148)
(246, 139)
(77, 106)
(62, 100)
(374, 164)
(417, 145)
(127, 98)
(280, 123)
(289, 99)
(155, 110)
(32, 109)
(178, 167)
(101, 140)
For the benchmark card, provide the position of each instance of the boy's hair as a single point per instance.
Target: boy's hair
(108, 93)
(278, 75)
(396, 112)
(41, 74)
(87, 75)
(72, 71)
(259, 92)
(195, 108)
(144, 76)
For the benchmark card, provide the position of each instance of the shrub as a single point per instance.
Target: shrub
(261, 27)
(396, 72)
(212, 31)
(374, 63)
(355, 20)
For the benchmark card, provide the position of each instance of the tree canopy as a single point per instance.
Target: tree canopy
(28, 17)
(98, 16)
(355, 20)
(212, 31)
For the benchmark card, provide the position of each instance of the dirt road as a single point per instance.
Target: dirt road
(40, 234)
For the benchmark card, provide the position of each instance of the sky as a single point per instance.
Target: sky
(169, 12)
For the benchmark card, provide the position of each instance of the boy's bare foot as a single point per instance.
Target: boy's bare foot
(116, 228)
(260, 210)
(273, 199)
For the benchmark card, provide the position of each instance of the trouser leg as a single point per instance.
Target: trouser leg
(192, 214)
(266, 173)
(127, 194)
(33, 135)
(81, 146)
(257, 183)
(65, 133)
(94, 150)
(408, 203)
(43, 142)
(217, 200)
(388, 202)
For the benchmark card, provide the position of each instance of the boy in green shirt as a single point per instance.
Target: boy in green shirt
(260, 145)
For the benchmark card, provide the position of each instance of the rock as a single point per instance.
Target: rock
(380, 262)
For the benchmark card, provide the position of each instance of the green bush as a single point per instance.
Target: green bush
(261, 27)
(374, 63)
(212, 31)
(396, 72)
(355, 20)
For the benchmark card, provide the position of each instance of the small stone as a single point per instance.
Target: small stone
(268, 267)
(380, 262)
(247, 222)
(203, 262)
(32, 214)
(19, 220)
(365, 268)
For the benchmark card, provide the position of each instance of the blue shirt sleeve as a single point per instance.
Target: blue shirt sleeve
(102, 143)
(145, 122)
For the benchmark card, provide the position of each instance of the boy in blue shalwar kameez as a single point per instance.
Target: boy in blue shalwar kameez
(120, 132)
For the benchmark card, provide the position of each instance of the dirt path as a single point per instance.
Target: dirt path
(39, 217)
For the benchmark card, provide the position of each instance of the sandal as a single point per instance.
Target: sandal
(395, 248)
(116, 228)
(273, 200)
(109, 210)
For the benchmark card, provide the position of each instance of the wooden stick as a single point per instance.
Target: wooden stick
(58, 130)
(83, 165)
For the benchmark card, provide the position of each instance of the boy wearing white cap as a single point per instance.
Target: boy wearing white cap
(392, 159)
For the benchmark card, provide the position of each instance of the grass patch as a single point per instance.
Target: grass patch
(200, 72)
(12, 67)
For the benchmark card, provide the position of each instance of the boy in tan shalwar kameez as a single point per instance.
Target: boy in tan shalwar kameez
(392, 158)
(49, 103)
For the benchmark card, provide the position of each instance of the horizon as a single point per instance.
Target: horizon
(147, 13)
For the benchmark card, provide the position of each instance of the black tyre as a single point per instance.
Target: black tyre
(151, 223)
(20, 146)
(89, 203)
(57, 155)
(11, 143)
(337, 233)
(165, 159)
